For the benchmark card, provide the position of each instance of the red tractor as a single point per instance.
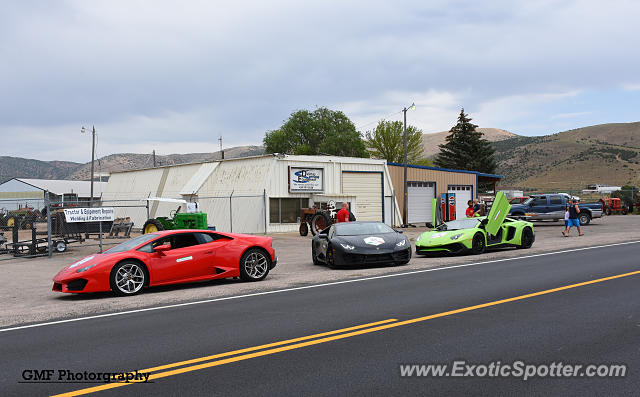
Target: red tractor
(317, 219)
(614, 205)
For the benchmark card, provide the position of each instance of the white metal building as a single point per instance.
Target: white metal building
(31, 192)
(259, 194)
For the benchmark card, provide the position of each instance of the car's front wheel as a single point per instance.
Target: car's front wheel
(254, 265)
(478, 244)
(128, 278)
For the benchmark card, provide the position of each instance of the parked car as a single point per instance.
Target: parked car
(360, 243)
(477, 234)
(169, 257)
(518, 200)
(552, 207)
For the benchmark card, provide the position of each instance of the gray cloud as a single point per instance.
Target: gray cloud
(162, 72)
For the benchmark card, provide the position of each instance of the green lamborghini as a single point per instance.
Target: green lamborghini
(477, 234)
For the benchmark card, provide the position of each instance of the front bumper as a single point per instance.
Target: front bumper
(354, 259)
(453, 248)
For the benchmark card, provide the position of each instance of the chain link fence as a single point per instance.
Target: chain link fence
(40, 228)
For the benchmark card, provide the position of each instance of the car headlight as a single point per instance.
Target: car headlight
(401, 243)
(456, 236)
(347, 246)
(84, 269)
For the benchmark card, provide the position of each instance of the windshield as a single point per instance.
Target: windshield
(356, 229)
(134, 242)
(468, 223)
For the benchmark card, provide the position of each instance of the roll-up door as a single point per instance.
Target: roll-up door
(419, 196)
(367, 188)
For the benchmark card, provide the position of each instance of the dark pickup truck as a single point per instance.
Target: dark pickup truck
(553, 206)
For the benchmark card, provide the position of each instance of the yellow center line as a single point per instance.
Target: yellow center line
(354, 331)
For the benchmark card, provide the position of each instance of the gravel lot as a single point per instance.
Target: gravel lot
(26, 283)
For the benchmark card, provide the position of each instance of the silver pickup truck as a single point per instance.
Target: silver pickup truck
(552, 206)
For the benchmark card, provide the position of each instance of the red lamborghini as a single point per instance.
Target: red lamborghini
(169, 257)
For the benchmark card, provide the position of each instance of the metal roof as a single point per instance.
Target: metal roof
(60, 187)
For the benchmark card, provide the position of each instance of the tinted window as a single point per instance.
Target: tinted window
(204, 237)
(183, 240)
(458, 224)
(130, 244)
(555, 200)
(540, 201)
(175, 241)
(356, 228)
(286, 210)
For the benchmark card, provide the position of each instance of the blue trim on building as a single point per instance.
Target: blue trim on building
(447, 170)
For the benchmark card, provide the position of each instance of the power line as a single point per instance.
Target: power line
(373, 122)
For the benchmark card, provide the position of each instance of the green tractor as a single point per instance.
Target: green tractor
(192, 219)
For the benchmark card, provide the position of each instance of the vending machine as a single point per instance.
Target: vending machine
(443, 207)
(452, 206)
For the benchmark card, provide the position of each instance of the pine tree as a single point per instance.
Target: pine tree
(466, 148)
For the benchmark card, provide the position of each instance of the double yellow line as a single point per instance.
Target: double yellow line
(297, 343)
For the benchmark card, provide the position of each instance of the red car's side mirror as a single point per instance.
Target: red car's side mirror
(162, 248)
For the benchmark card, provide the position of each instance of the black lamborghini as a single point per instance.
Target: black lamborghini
(360, 243)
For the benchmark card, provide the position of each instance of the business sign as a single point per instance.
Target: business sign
(306, 179)
(74, 215)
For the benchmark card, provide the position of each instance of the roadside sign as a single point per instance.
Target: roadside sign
(99, 214)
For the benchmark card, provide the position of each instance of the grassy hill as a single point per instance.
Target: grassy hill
(431, 141)
(131, 161)
(606, 154)
(16, 167)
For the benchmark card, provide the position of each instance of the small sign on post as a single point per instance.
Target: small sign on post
(102, 214)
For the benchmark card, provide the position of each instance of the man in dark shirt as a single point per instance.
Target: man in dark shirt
(573, 218)
(343, 214)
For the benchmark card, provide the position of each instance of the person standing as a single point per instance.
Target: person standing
(573, 218)
(343, 214)
(476, 208)
(469, 211)
(566, 221)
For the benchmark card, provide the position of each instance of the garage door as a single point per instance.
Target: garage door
(367, 188)
(464, 193)
(419, 196)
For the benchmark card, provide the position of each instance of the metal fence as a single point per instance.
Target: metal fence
(32, 231)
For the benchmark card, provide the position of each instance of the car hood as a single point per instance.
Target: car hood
(437, 237)
(518, 207)
(373, 241)
(95, 259)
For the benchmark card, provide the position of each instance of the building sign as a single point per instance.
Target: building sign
(306, 179)
(73, 215)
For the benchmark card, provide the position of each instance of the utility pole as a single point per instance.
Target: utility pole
(221, 149)
(405, 210)
(93, 155)
(154, 158)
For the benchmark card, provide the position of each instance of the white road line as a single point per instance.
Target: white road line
(311, 286)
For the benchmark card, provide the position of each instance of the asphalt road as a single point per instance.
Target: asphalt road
(580, 324)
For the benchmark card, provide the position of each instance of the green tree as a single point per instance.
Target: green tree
(466, 148)
(322, 131)
(386, 141)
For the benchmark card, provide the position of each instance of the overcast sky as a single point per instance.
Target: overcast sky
(174, 76)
